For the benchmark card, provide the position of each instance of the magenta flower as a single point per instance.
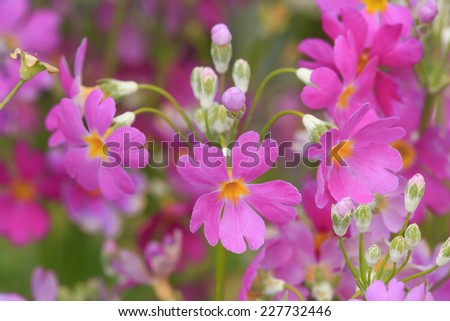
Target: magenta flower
(88, 147)
(230, 212)
(360, 161)
(22, 217)
(395, 291)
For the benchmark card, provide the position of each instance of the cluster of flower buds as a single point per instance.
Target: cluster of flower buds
(415, 188)
(215, 120)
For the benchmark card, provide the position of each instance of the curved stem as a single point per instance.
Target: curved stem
(418, 275)
(278, 116)
(172, 100)
(294, 290)
(408, 256)
(11, 93)
(260, 90)
(220, 272)
(159, 113)
(394, 272)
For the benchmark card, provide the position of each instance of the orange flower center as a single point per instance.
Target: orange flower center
(374, 6)
(407, 152)
(363, 59)
(318, 273)
(97, 147)
(341, 151)
(345, 96)
(23, 191)
(233, 190)
(10, 41)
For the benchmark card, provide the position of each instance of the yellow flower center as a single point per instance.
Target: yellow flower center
(345, 96)
(23, 191)
(97, 147)
(407, 152)
(10, 41)
(374, 6)
(233, 190)
(341, 151)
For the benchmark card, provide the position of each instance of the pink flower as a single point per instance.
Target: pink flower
(22, 217)
(395, 291)
(230, 211)
(360, 161)
(89, 149)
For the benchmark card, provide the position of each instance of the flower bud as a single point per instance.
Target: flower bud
(444, 254)
(220, 35)
(30, 66)
(241, 74)
(272, 286)
(221, 56)
(363, 216)
(323, 291)
(428, 11)
(304, 74)
(415, 188)
(233, 99)
(373, 255)
(341, 216)
(217, 118)
(397, 249)
(196, 84)
(315, 127)
(117, 88)
(412, 236)
(125, 119)
(208, 87)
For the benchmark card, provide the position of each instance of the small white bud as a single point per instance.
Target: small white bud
(315, 127)
(397, 249)
(412, 236)
(208, 87)
(363, 217)
(125, 119)
(373, 255)
(216, 117)
(272, 286)
(241, 74)
(444, 254)
(341, 216)
(196, 84)
(323, 291)
(117, 88)
(221, 56)
(304, 75)
(415, 188)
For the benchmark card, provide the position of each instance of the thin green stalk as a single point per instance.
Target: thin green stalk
(408, 256)
(116, 26)
(369, 275)
(12, 93)
(208, 132)
(220, 272)
(294, 290)
(418, 275)
(278, 116)
(361, 259)
(173, 101)
(350, 265)
(159, 113)
(357, 294)
(394, 272)
(260, 90)
(222, 83)
(427, 112)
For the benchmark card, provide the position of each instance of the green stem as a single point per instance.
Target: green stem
(418, 275)
(222, 83)
(294, 290)
(369, 275)
(220, 272)
(427, 112)
(111, 47)
(12, 93)
(350, 265)
(408, 256)
(394, 272)
(357, 294)
(208, 132)
(260, 90)
(278, 116)
(159, 113)
(173, 101)
(405, 225)
(361, 258)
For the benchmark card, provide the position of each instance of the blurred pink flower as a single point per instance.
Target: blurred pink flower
(395, 291)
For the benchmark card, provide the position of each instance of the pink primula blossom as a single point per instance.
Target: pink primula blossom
(231, 210)
(395, 291)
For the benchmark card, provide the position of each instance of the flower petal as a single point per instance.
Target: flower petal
(115, 183)
(99, 115)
